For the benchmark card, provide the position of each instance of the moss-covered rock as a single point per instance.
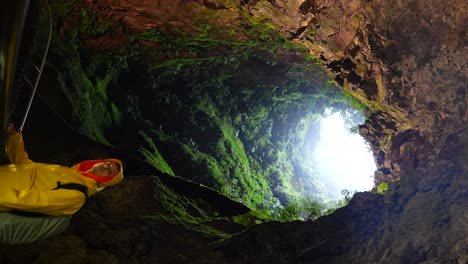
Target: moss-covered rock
(228, 107)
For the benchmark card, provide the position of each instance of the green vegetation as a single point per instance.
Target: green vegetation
(335, 205)
(355, 103)
(84, 80)
(299, 210)
(177, 209)
(231, 158)
(231, 108)
(382, 188)
(153, 156)
(253, 217)
(305, 208)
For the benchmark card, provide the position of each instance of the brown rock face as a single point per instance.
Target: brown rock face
(419, 220)
(405, 60)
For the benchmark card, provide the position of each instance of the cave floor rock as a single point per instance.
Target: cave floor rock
(118, 226)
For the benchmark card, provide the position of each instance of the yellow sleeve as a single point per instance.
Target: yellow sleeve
(15, 149)
(51, 202)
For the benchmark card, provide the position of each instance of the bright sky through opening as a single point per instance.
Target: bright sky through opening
(345, 161)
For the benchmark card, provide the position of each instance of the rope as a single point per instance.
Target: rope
(39, 69)
(45, 101)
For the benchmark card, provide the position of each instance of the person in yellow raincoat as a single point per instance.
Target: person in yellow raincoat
(32, 188)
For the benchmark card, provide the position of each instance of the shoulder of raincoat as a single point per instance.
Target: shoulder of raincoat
(47, 188)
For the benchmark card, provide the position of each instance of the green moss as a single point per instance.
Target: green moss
(382, 188)
(116, 114)
(240, 180)
(207, 161)
(85, 22)
(153, 157)
(87, 104)
(253, 217)
(237, 148)
(206, 48)
(180, 210)
(356, 104)
(84, 79)
(91, 105)
(216, 109)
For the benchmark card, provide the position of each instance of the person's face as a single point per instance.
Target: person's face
(107, 168)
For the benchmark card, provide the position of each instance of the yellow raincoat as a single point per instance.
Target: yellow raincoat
(36, 187)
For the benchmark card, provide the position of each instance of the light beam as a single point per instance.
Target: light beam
(344, 160)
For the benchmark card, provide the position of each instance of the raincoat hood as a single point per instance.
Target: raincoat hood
(103, 181)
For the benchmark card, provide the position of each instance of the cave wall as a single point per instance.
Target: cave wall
(393, 57)
(405, 60)
(416, 221)
(203, 90)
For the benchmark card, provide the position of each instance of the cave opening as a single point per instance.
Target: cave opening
(264, 139)
(342, 157)
(253, 122)
(330, 159)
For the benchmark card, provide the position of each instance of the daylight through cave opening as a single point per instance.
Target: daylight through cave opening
(332, 161)
(241, 117)
(344, 160)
